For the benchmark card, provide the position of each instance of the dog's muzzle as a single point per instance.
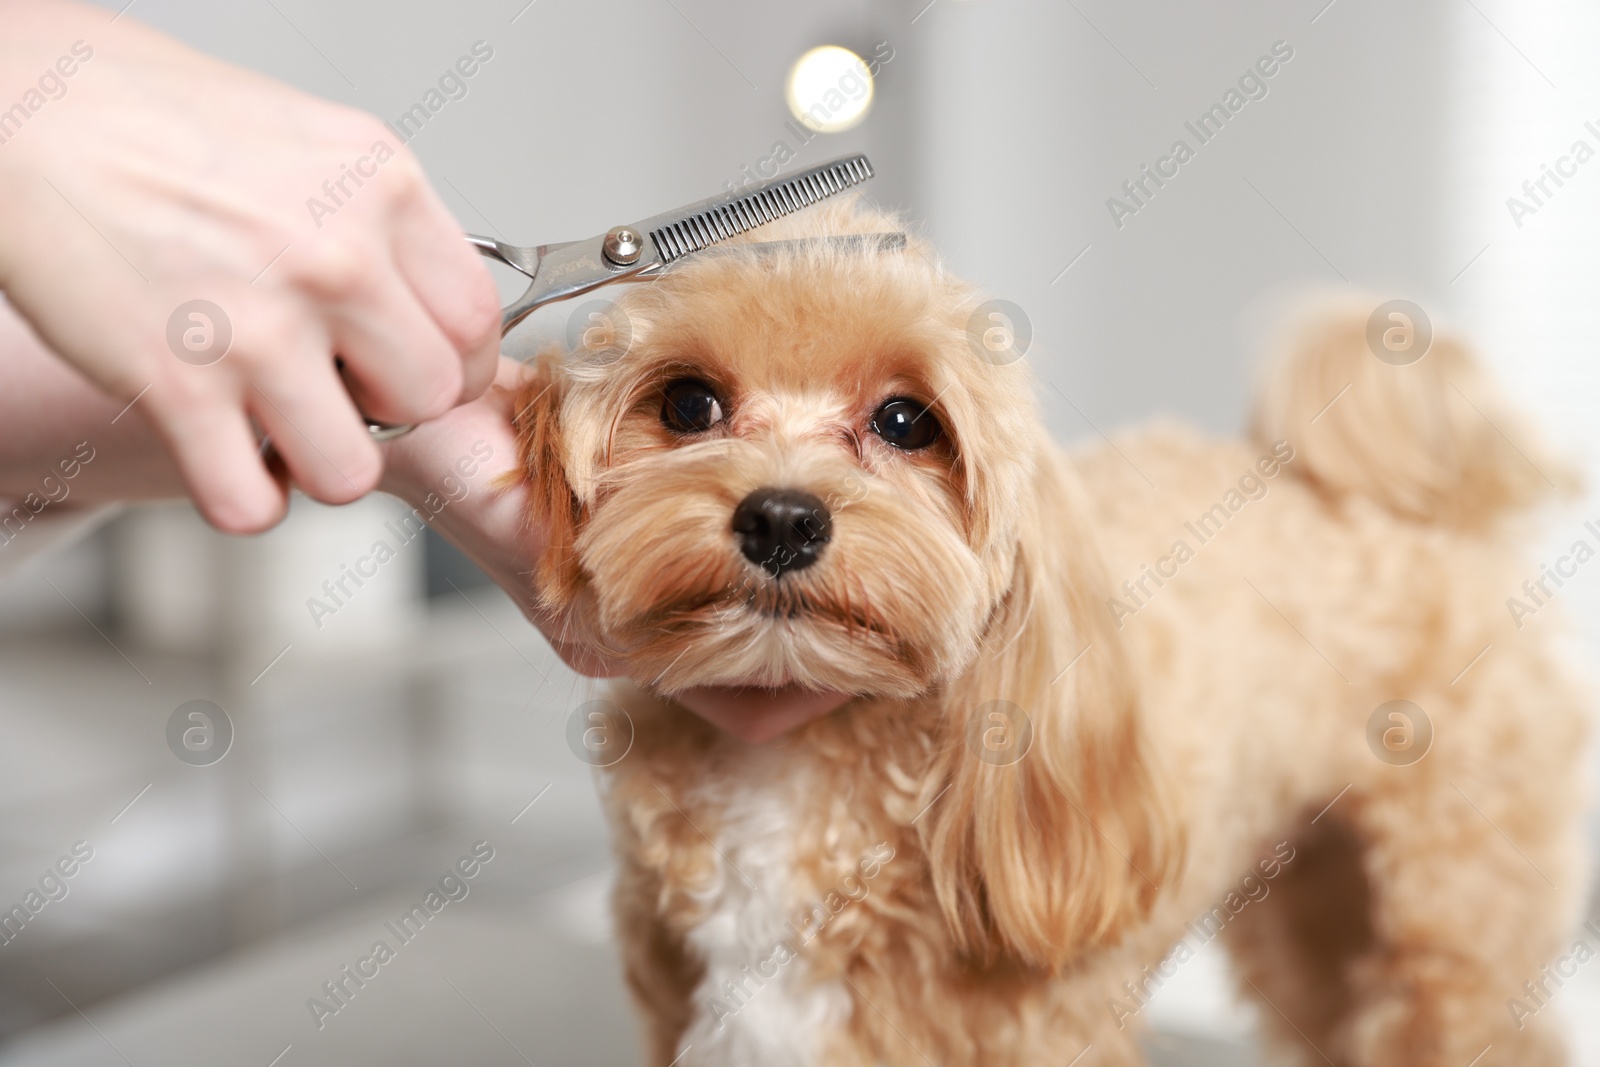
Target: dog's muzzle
(781, 530)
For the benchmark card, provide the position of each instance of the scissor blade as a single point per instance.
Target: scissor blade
(559, 271)
(683, 232)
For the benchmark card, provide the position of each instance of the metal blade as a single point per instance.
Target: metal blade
(559, 271)
(680, 233)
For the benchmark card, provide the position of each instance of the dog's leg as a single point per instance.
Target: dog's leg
(1418, 933)
(659, 972)
(1008, 1017)
(1405, 942)
(1473, 862)
(1476, 856)
(1472, 888)
(1296, 946)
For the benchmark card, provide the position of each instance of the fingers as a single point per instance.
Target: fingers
(399, 364)
(450, 281)
(316, 429)
(217, 454)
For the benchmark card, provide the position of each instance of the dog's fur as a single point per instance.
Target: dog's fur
(866, 890)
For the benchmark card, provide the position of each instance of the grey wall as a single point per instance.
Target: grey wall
(1003, 126)
(1034, 115)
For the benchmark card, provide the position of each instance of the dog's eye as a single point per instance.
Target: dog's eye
(690, 405)
(905, 424)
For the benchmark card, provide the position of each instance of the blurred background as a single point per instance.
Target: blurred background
(369, 753)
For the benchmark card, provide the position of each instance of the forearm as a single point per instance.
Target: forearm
(55, 424)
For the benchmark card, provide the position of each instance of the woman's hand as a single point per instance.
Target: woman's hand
(490, 524)
(139, 178)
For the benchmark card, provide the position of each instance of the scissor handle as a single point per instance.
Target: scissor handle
(486, 245)
(524, 261)
(491, 249)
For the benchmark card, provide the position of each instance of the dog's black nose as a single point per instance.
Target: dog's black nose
(782, 529)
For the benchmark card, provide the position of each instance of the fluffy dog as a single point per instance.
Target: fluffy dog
(1099, 702)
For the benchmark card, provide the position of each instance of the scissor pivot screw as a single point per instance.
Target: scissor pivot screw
(623, 246)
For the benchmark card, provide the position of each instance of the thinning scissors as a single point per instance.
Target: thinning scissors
(643, 249)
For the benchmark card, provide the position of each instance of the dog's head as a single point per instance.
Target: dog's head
(789, 461)
(797, 472)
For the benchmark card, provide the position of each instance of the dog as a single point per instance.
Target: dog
(1102, 707)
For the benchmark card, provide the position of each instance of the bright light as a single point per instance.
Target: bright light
(830, 89)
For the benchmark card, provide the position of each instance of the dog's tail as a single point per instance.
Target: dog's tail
(1375, 406)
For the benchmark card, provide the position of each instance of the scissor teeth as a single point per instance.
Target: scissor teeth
(744, 213)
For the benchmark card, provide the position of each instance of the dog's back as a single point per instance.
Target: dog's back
(1333, 671)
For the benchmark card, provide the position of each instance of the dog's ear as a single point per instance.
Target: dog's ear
(553, 507)
(1054, 833)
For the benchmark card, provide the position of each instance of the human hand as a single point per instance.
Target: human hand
(491, 525)
(489, 520)
(158, 177)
